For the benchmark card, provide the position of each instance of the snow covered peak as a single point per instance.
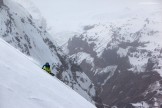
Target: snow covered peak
(24, 84)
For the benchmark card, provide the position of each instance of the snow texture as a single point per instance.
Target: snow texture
(24, 84)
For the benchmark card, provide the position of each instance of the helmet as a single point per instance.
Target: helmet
(47, 63)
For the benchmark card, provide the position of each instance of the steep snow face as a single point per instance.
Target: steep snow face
(24, 84)
(19, 29)
(123, 58)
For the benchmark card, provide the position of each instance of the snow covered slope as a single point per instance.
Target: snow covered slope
(20, 30)
(24, 84)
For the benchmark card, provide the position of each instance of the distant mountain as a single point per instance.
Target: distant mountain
(123, 58)
(20, 30)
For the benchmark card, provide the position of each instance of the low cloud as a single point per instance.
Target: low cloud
(149, 3)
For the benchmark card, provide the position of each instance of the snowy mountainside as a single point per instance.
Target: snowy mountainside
(31, 8)
(24, 84)
(19, 29)
(123, 58)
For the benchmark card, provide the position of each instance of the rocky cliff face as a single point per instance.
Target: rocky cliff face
(123, 59)
(19, 29)
(1, 2)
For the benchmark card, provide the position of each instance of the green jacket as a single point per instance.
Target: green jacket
(47, 69)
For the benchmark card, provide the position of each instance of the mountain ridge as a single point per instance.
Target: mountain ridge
(121, 56)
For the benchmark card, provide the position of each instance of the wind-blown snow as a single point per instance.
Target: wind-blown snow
(24, 85)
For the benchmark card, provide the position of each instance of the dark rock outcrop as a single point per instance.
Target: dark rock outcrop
(1, 2)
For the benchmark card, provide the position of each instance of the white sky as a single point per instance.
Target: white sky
(64, 15)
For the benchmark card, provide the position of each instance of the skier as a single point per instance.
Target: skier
(46, 67)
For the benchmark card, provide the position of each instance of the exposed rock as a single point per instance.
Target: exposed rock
(1, 2)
